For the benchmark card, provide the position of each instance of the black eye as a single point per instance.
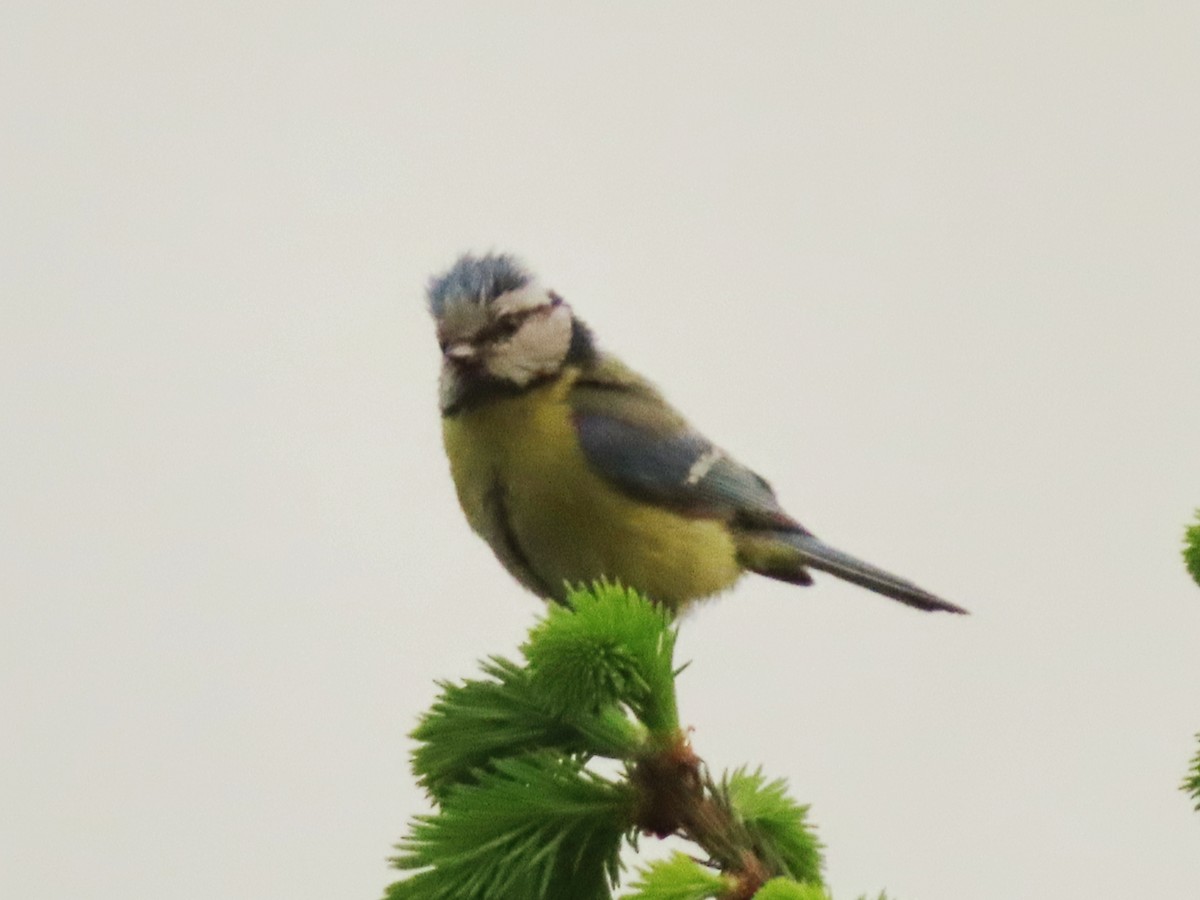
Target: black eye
(507, 326)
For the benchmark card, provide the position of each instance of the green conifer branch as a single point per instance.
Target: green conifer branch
(787, 889)
(775, 823)
(1191, 784)
(521, 815)
(1191, 559)
(1191, 549)
(608, 645)
(475, 722)
(679, 877)
(540, 825)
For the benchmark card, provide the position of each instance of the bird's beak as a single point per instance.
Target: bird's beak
(460, 353)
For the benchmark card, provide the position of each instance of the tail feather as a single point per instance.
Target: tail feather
(817, 555)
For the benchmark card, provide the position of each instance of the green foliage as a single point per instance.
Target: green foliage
(605, 646)
(1191, 559)
(786, 889)
(678, 878)
(520, 815)
(1191, 784)
(776, 823)
(476, 722)
(537, 826)
(1191, 549)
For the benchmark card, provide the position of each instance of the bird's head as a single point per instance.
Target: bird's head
(499, 329)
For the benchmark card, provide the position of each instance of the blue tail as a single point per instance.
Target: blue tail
(816, 555)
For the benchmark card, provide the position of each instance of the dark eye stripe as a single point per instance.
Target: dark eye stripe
(509, 324)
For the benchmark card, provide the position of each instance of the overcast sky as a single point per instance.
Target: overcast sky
(934, 273)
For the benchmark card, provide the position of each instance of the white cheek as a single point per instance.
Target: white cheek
(538, 348)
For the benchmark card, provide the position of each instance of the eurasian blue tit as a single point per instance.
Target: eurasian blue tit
(574, 468)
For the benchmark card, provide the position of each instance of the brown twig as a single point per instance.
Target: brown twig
(678, 797)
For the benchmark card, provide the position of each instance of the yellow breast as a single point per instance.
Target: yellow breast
(526, 487)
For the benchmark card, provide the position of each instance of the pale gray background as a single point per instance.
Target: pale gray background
(934, 272)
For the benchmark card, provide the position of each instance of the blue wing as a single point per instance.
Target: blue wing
(632, 438)
(672, 465)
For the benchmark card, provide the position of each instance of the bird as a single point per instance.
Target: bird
(576, 470)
